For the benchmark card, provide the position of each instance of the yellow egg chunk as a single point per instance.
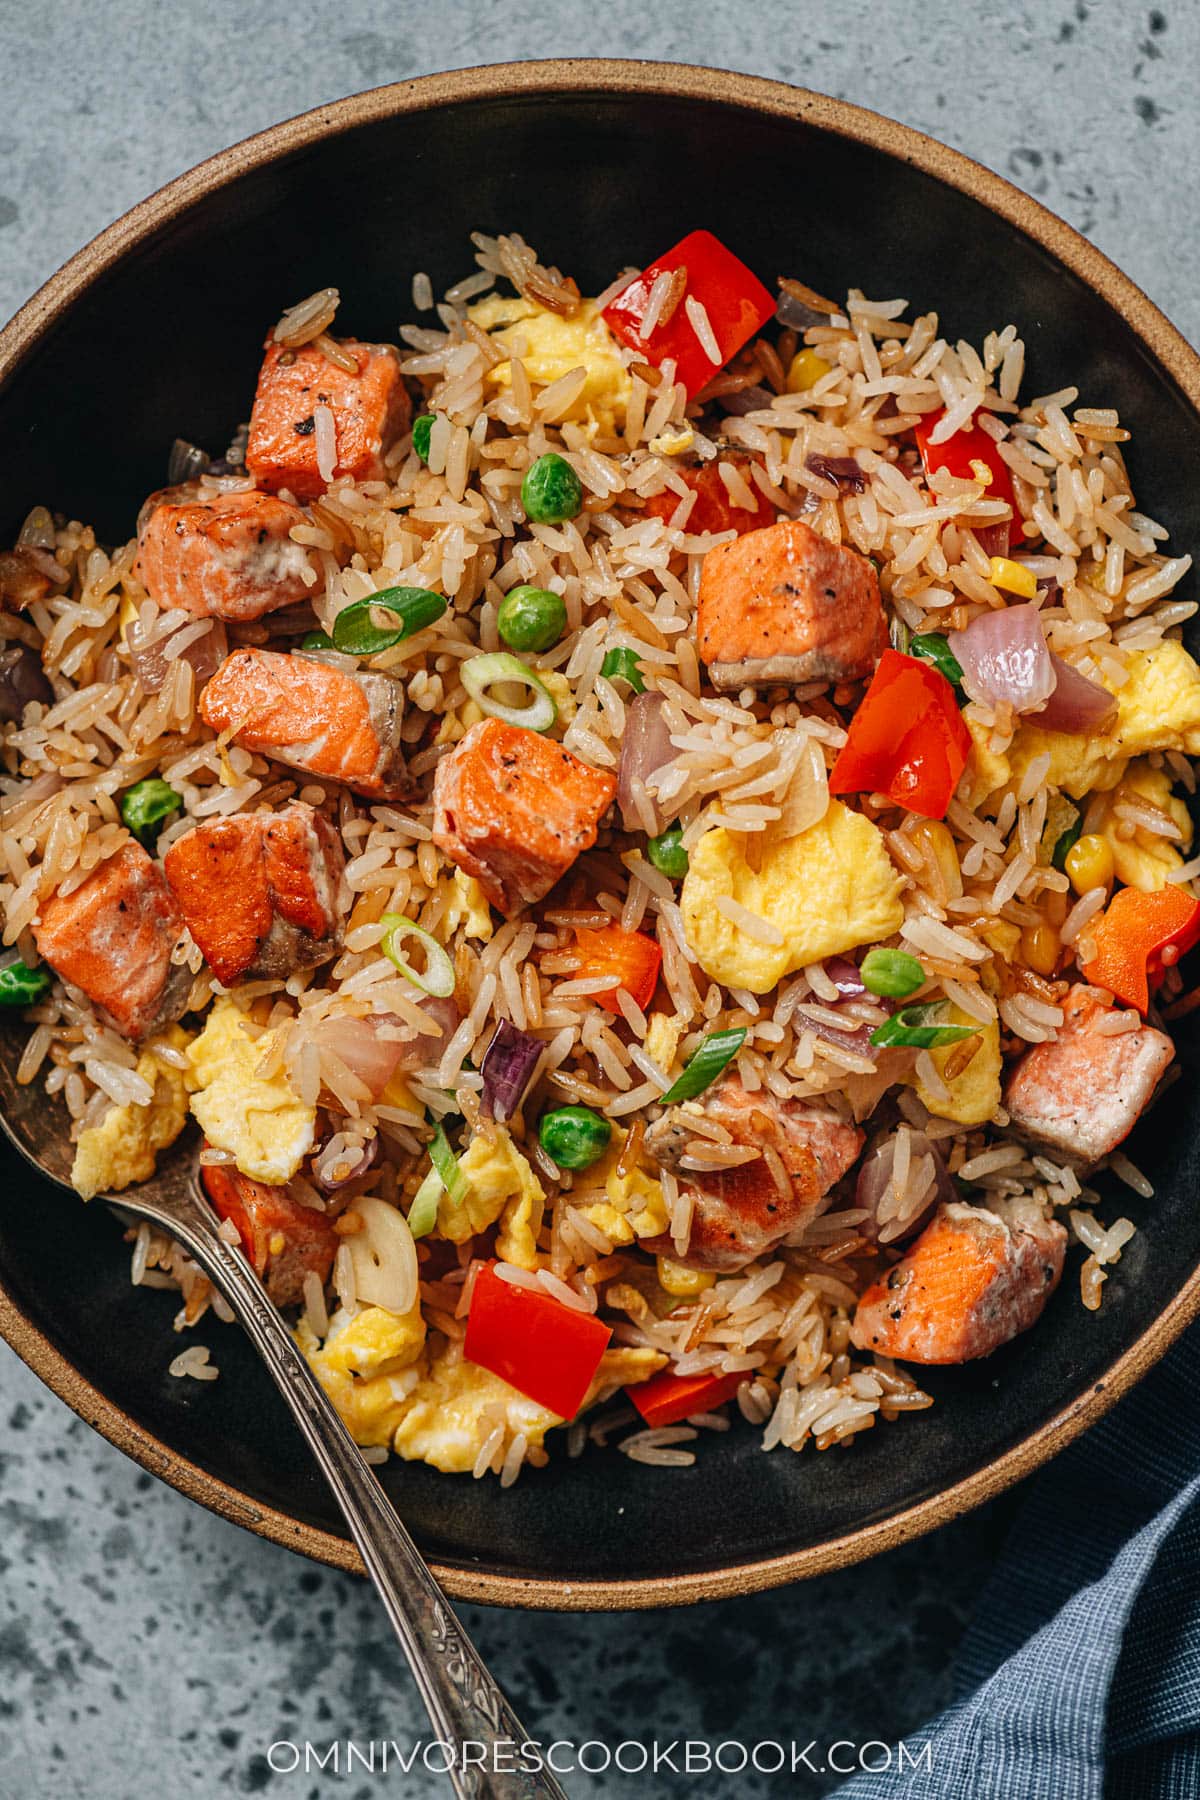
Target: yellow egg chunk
(554, 346)
(499, 1181)
(661, 1042)
(365, 1366)
(468, 907)
(633, 1206)
(261, 1122)
(1145, 860)
(122, 1148)
(681, 1282)
(1158, 708)
(975, 1094)
(826, 890)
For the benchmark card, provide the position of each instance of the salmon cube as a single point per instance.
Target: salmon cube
(1081, 1094)
(283, 1240)
(263, 894)
(370, 410)
(714, 508)
(971, 1281)
(112, 937)
(742, 1211)
(786, 605)
(514, 810)
(334, 724)
(229, 557)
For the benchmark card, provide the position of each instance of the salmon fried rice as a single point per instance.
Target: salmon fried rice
(646, 835)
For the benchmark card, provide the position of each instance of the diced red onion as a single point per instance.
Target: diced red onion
(421, 1050)
(845, 976)
(186, 461)
(507, 1065)
(875, 1174)
(333, 1168)
(843, 471)
(994, 540)
(645, 748)
(151, 664)
(365, 1050)
(1004, 658)
(1077, 704)
(22, 679)
(746, 400)
(855, 1042)
(798, 313)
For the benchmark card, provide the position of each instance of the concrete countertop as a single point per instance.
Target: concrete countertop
(145, 1646)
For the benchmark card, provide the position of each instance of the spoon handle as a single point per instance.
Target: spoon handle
(465, 1703)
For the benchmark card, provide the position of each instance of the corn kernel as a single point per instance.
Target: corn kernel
(1013, 577)
(934, 841)
(1041, 946)
(805, 370)
(1089, 863)
(683, 1283)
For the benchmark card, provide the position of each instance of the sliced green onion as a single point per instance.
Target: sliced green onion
(479, 673)
(893, 973)
(934, 647)
(915, 1027)
(899, 634)
(421, 432)
(622, 664)
(422, 1214)
(384, 619)
(667, 853)
(22, 986)
(705, 1064)
(316, 640)
(446, 1166)
(1067, 843)
(437, 977)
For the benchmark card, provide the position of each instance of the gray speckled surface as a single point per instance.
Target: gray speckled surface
(144, 1645)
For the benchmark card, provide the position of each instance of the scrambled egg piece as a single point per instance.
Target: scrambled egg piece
(468, 906)
(975, 1094)
(673, 443)
(500, 1185)
(561, 692)
(1157, 709)
(1144, 860)
(633, 1206)
(661, 1042)
(828, 889)
(365, 1366)
(456, 1405)
(266, 1128)
(122, 1148)
(555, 346)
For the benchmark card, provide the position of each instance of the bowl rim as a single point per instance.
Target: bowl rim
(544, 79)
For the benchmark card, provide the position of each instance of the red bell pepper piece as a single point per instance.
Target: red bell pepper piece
(964, 454)
(1128, 939)
(734, 298)
(906, 740)
(544, 1349)
(632, 955)
(668, 1397)
(713, 509)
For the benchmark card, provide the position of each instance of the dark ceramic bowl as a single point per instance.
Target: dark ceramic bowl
(154, 331)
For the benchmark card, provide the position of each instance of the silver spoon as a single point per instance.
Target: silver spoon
(464, 1701)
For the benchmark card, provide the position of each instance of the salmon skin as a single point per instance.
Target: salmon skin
(714, 508)
(334, 724)
(112, 937)
(514, 810)
(228, 557)
(263, 894)
(742, 1212)
(370, 408)
(786, 605)
(283, 1240)
(1082, 1093)
(971, 1281)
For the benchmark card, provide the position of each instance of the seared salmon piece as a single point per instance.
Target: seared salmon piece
(741, 1212)
(786, 605)
(335, 725)
(514, 810)
(113, 935)
(1082, 1094)
(263, 894)
(370, 410)
(970, 1282)
(283, 1239)
(714, 508)
(230, 557)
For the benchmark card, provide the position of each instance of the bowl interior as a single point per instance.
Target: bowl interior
(167, 343)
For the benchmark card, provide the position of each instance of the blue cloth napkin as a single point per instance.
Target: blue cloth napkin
(1079, 1678)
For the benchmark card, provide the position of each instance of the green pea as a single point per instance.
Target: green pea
(893, 973)
(147, 806)
(531, 618)
(574, 1136)
(316, 640)
(622, 664)
(422, 426)
(551, 491)
(933, 647)
(667, 853)
(22, 986)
